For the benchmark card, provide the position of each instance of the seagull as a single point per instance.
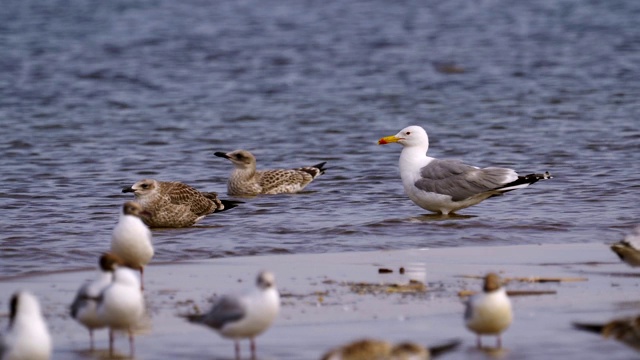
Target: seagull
(246, 316)
(245, 180)
(84, 308)
(27, 336)
(625, 330)
(489, 312)
(172, 204)
(121, 305)
(445, 186)
(371, 349)
(628, 249)
(131, 238)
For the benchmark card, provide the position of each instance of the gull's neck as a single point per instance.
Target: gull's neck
(413, 157)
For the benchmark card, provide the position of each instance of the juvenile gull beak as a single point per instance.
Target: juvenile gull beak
(127, 189)
(221, 154)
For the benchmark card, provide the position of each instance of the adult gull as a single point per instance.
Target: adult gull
(445, 186)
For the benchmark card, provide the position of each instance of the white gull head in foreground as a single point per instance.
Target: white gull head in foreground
(489, 312)
(245, 180)
(131, 238)
(371, 349)
(628, 249)
(27, 336)
(445, 186)
(172, 204)
(84, 308)
(121, 305)
(244, 316)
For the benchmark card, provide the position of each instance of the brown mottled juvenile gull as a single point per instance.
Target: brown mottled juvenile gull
(371, 349)
(628, 249)
(172, 204)
(625, 330)
(445, 186)
(245, 180)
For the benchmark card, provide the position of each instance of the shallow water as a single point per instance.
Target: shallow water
(97, 95)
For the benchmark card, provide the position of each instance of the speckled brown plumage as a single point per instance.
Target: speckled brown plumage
(174, 204)
(245, 180)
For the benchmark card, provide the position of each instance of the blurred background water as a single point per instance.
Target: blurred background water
(95, 95)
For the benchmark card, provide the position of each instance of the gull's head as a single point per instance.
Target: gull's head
(23, 303)
(266, 280)
(492, 282)
(409, 136)
(110, 262)
(134, 209)
(142, 188)
(241, 159)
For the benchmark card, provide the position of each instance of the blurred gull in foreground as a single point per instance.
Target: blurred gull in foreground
(628, 249)
(625, 330)
(245, 316)
(368, 349)
(84, 308)
(445, 186)
(489, 312)
(172, 204)
(131, 238)
(27, 337)
(245, 180)
(121, 305)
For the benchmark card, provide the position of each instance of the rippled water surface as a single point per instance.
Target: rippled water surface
(95, 95)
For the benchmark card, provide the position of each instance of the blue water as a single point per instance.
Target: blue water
(96, 95)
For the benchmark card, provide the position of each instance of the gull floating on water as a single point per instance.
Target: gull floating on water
(172, 204)
(625, 330)
(628, 249)
(27, 336)
(370, 349)
(245, 180)
(245, 316)
(445, 186)
(489, 312)
(84, 308)
(131, 238)
(121, 305)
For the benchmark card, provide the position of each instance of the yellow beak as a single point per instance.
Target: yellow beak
(388, 140)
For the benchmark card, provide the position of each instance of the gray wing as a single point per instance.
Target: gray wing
(226, 309)
(468, 309)
(458, 180)
(82, 297)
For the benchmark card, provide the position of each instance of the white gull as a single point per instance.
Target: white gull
(489, 312)
(445, 186)
(27, 336)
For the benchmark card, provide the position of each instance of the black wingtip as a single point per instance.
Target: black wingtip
(593, 328)
(320, 166)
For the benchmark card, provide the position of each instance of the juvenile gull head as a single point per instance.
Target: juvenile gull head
(445, 186)
(245, 180)
(172, 204)
(628, 249)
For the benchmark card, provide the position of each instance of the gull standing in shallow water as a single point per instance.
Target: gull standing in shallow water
(121, 305)
(628, 249)
(131, 238)
(27, 336)
(245, 180)
(445, 186)
(369, 349)
(247, 316)
(489, 312)
(172, 204)
(84, 308)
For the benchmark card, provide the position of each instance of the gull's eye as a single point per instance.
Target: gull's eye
(408, 133)
(144, 186)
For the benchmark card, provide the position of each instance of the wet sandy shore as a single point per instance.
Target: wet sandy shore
(329, 299)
